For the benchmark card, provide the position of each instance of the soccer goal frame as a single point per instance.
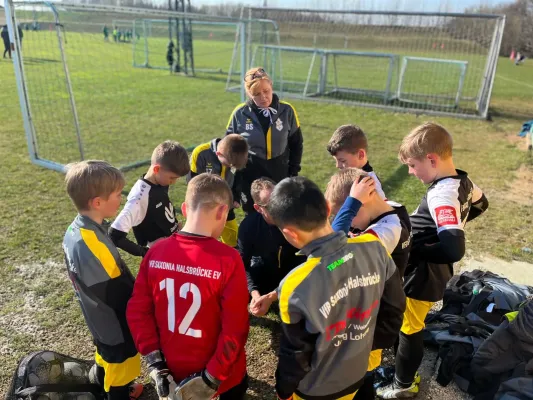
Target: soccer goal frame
(322, 57)
(144, 28)
(427, 98)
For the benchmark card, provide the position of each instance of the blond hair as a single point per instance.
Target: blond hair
(258, 186)
(235, 148)
(426, 139)
(207, 191)
(348, 138)
(339, 185)
(253, 77)
(171, 156)
(87, 180)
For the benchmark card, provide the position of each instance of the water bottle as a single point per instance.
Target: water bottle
(478, 286)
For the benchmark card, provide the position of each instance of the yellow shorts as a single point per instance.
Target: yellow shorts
(119, 374)
(347, 397)
(414, 315)
(229, 234)
(374, 360)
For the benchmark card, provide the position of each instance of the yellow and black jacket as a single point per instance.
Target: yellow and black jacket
(274, 139)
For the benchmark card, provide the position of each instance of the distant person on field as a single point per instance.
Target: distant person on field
(223, 157)
(102, 282)
(272, 129)
(106, 33)
(148, 210)
(115, 34)
(5, 39)
(349, 148)
(519, 58)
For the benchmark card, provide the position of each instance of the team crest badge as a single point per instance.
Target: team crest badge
(279, 125)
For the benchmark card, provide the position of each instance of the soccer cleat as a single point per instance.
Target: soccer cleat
(136, 390)
(393, 391)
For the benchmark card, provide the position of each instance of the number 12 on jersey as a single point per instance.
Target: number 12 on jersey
(184, 328)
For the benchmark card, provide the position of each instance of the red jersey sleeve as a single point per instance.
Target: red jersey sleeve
(141, 313)
(235, 325)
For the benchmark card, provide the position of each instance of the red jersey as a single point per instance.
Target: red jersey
(190, 301)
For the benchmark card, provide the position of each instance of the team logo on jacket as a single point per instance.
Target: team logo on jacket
(279, 125)
(446, 215)
(169, 213)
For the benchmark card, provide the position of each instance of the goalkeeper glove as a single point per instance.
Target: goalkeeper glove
(160, 374)
(198, 386)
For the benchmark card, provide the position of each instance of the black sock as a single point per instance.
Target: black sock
(408, 358)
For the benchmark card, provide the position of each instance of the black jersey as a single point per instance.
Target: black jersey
(442, 214)
(149, 212)
(393, 228)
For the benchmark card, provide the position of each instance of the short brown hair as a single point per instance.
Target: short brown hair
(258, 186)
(254, 76)
(339, 185)
(172, 156)
(235, 148)
(348, 138)
(426, 139)
(86, 180)
(207, 191)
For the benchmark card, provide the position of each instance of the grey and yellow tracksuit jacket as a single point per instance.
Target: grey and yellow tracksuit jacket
(329, 311)
(103, 285)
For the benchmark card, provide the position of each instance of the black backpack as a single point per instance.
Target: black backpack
(47, 375)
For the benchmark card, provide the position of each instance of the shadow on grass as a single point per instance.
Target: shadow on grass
(261, 389)
(396, 180)
(33, 60)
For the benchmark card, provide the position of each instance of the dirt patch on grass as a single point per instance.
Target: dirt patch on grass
(520, 190)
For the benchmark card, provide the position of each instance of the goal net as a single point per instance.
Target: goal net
(440, 63)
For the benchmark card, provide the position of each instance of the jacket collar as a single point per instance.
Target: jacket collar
(275, 103)
(324, 245)
(82, 221)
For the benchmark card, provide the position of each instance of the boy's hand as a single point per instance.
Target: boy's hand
(363, 189)
(236, 204)
(262, 305)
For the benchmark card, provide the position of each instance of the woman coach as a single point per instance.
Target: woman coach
(272, 130)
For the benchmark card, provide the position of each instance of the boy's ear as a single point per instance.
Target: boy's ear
(95, 202)
(257, 208)
(184, 209)
(222, 212)
(361, 154)
(156, 168)
(291, 233)
(433, 158)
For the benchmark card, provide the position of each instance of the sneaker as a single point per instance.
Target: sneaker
(136, 390)
(393, 391)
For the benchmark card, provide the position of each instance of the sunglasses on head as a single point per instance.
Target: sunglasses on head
(257, 74)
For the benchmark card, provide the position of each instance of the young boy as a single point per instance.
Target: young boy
(364, 211)
(349, 147)
(223, 157)
(188, 314)
(388, 220)
(438, 242)
(148, 209)
(266, 254)
(329, 305)
(101, 280)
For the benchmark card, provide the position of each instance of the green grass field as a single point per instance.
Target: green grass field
(124, 112)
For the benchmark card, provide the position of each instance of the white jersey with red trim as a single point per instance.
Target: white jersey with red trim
(444, 207)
